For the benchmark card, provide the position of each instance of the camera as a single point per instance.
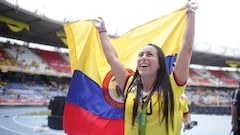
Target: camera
(194, 123)
(190, 126)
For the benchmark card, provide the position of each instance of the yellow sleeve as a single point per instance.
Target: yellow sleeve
(185, 108)
(127, 83)
(177, 89)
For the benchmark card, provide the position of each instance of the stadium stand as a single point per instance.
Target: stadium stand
(223, 78)
(198, 78)
(26, 57)
(55, 61)
(205, 87)
(27, 87)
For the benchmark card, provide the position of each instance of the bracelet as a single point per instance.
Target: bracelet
(102, 30)
(190, 10)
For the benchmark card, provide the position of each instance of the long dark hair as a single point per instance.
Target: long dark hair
(162, 85)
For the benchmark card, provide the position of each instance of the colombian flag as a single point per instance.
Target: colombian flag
(94, 105)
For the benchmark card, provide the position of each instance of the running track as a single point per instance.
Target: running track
(13, 123)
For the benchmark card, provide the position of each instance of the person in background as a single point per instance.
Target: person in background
(152, 94)
(236, 111)
(184, 115)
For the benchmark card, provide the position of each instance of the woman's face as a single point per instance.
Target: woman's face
(147, 62)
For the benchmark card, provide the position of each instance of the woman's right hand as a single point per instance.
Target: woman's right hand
(99, 24)
(192, 5)
(234, 128)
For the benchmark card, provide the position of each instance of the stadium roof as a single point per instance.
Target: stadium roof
(42, 30)
(210, 59)
(36, 28)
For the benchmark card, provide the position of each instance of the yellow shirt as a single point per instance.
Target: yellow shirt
(153, 125)
(183, 108)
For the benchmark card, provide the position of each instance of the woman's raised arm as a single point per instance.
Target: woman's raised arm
(118, 70)
(181, 68)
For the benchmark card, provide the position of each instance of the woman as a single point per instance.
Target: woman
(152, 95)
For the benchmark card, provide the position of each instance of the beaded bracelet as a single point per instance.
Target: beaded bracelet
(190, 10)
(102, 30)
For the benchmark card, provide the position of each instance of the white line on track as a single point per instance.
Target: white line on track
(11, 130)
(20, 123)
(28, 126)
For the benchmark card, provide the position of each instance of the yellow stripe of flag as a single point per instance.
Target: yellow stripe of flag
(85, 50)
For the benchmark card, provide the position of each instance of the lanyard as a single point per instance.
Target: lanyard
(143, 112)
(143, 115)
(142, 120)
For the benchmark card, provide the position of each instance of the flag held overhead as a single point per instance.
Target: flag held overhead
(93, 105)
